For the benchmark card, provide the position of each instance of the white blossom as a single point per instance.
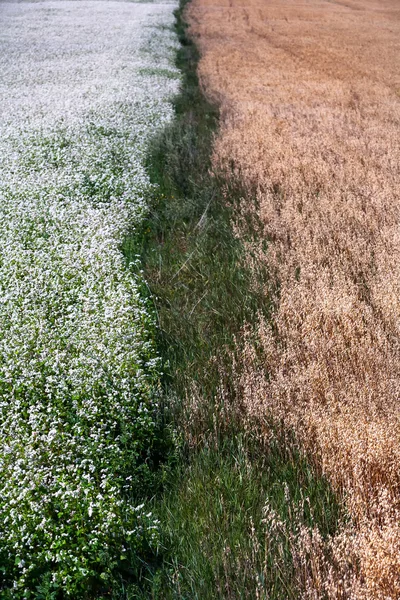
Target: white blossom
(83, 88)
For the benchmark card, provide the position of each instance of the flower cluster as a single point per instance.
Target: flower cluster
(83, 91)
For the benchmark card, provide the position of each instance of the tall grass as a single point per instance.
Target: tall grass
(231, 503)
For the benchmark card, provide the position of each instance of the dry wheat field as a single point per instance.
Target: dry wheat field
(310, 118)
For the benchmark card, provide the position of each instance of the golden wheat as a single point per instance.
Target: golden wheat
(309, 97)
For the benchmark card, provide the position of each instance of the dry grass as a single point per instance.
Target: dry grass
(310, 116)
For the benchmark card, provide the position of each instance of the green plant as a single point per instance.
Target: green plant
(224, 479)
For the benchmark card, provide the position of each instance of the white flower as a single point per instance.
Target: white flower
(77, 363)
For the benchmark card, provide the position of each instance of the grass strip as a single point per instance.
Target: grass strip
(229, 503)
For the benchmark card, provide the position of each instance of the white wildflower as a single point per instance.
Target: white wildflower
(79, 100)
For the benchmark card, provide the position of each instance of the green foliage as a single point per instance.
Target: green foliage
(79, 406)
(194, 264)
(218, 531)
(80, 419)
(213, 508)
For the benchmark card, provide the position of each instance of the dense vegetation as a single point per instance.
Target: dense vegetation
(79, 368)
(133, 282)
(232, 504)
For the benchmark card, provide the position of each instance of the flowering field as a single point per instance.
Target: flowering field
(84, 86)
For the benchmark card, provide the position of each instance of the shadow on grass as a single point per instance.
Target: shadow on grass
(220, 481)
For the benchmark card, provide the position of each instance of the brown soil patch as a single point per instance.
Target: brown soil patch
(310, 99)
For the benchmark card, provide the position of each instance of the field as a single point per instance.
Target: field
(84, 87)
(310, 115)
(199, 300)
